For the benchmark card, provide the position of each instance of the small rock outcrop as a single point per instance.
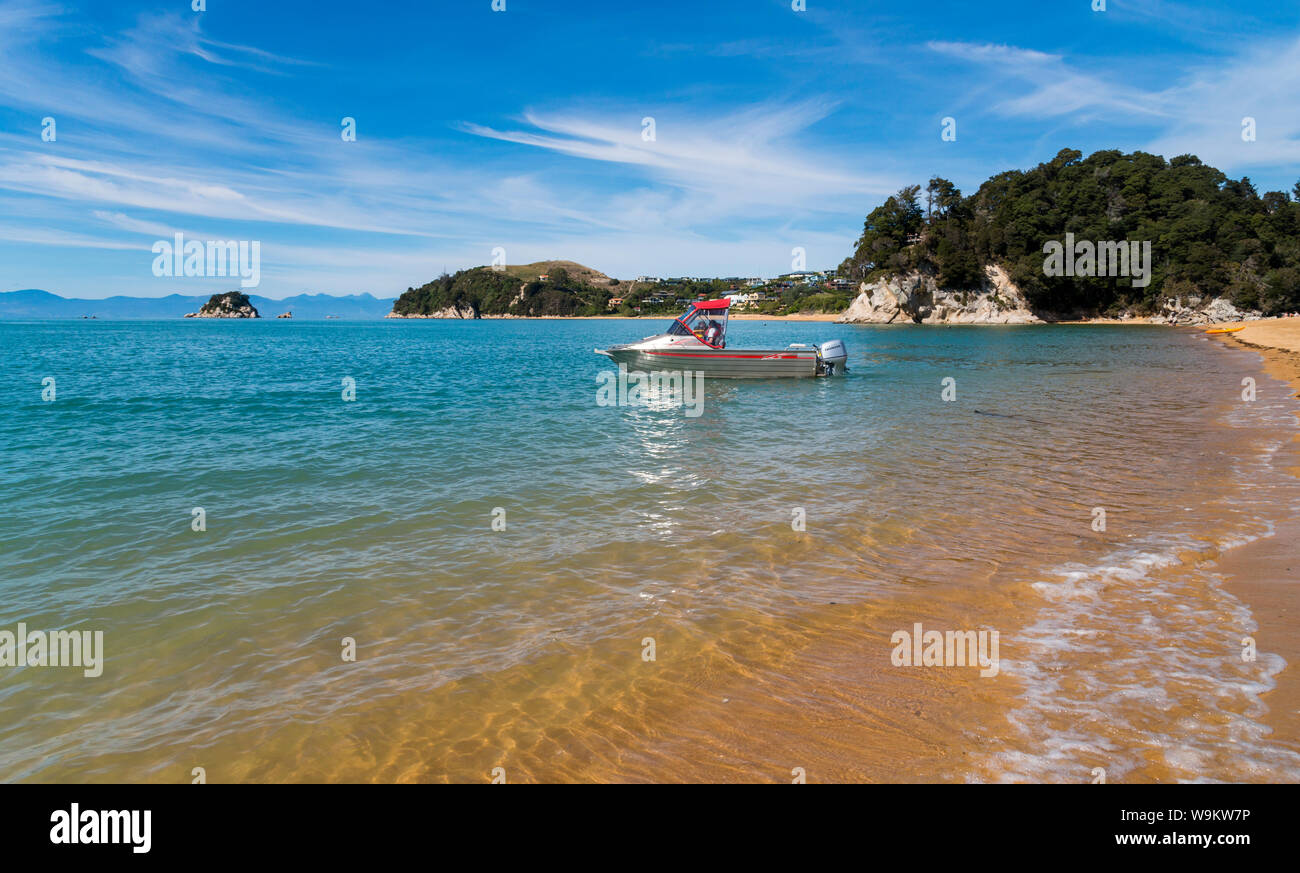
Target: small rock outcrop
(1197, 310)
(285, 315)
(449, 312)
(915, 298)
(232, 304)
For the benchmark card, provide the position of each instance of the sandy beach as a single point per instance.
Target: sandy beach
(1264, 573)
(1277, 340)
(1280, 334)
(802, 316)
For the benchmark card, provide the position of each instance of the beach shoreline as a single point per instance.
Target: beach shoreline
(1263, 573)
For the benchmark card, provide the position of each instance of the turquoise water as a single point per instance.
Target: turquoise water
(372, 519)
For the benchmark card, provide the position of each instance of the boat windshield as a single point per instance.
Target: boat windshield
(678, 327)
(706, 325)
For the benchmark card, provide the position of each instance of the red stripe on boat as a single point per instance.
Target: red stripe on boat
(695, 355)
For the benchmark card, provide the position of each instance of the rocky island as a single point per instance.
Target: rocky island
(232, 304)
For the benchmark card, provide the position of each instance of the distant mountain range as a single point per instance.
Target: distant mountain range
(32, 303)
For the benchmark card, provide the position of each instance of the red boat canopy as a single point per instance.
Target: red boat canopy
(721, 303)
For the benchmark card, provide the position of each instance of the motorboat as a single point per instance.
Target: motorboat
(697, 341)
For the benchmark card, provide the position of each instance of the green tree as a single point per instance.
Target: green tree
(1209, 234)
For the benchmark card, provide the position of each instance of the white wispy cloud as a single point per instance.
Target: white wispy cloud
(239, 167)
(11, 232)
(1052, 87)
(1199, 112)
(718, 166)
(1019, 59)
(1210, 105)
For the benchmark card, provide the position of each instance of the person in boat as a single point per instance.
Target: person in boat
(713, 333)
(699, 325)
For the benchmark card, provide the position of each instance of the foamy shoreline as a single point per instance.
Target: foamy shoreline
(1263, 572)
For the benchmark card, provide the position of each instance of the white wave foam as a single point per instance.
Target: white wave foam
(1134, 665)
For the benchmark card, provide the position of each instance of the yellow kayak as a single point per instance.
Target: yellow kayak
(1226, 329)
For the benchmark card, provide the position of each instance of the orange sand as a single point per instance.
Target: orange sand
(1266, 574)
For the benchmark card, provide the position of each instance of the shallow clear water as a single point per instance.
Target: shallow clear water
(523, 647)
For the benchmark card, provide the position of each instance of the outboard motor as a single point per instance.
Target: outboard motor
(832, 357)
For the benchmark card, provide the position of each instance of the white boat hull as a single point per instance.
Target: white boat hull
(719, 363)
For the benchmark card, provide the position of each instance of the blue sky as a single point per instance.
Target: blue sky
(522, 129)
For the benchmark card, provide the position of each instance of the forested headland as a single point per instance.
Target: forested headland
(1210, 235)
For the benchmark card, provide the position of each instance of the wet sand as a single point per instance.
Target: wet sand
(1266, 573)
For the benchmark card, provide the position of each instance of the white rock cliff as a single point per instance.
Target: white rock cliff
(916, 299)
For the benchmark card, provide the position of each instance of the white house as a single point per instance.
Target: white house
(744, 301)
